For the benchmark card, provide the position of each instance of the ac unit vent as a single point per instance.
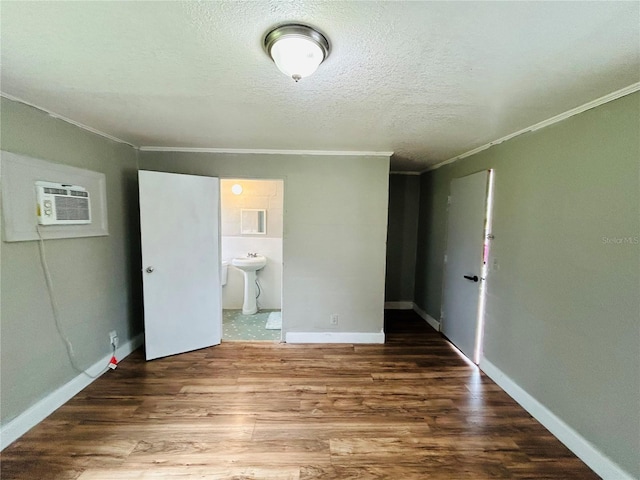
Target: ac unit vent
(56, 191)
(69, 208)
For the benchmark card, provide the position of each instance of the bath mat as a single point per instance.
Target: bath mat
(274, 322)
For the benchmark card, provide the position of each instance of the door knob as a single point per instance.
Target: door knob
(149, 269)
(474, 278)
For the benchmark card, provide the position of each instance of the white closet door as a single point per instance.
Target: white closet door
(179, 223)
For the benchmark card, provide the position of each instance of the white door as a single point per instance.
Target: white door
(180, 262)
(464, 261)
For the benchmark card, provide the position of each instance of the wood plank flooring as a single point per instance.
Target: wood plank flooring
(409, 409)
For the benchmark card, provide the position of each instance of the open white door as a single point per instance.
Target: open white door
(463, 273)
(179, 224)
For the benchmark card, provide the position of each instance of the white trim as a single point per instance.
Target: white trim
(428, 318)
(65, 119)
(585, 450)
(28, 419)
(151, 148)
(265, 151)
(545, 123)
(398, 305)
(334, 337)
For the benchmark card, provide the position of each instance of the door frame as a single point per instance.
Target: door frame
(488, 240)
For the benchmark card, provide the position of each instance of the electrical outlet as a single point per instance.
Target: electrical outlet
(333, 319)
(113, 338)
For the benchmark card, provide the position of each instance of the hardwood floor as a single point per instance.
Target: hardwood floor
(409, 409)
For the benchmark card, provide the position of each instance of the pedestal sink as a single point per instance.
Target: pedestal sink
(249, 266)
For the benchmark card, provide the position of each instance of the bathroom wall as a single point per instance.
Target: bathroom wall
(257, 194)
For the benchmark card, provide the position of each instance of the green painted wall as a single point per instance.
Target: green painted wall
(93, 278)
(563, 306)
(334, 231)
(402, 231)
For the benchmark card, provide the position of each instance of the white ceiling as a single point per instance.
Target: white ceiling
(426, 80)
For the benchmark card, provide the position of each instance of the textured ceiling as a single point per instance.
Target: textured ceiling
(426, 80)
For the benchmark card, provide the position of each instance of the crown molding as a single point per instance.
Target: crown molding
(265, 151)
(545, 123)
(147, 148)
(65, 119)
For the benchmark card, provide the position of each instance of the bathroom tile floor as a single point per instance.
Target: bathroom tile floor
(237, 327)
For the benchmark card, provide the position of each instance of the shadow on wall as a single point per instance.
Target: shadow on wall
(133, 251)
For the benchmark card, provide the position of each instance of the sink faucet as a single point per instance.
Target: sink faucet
(252, 255)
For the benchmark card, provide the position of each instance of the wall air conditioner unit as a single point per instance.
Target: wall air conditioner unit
(60, 204)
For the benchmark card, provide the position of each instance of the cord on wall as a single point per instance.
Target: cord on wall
(54, 309)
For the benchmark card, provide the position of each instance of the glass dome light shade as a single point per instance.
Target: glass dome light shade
(296, 49)
(296, 57)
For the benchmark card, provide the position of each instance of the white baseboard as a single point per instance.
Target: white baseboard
(585, 450)
(428, 318)
(28, 419)
(398, 305)
(334, 337)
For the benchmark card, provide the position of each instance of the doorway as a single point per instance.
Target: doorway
(251, 222)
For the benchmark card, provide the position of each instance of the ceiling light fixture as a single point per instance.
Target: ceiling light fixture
(297, 50)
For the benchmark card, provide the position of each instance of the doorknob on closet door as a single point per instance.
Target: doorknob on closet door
(149, 269)
(474, 278)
